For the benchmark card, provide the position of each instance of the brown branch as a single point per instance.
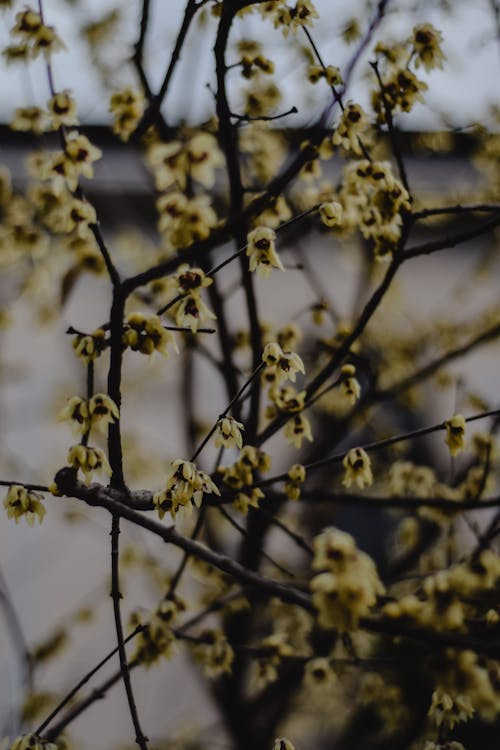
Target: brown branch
(457, 209)
(94, 228)
(82, 706)
(152, 111)
(377, 445)
(228, 408)
(445, 639)
(393, 390)
(452, 240)
(140, 738)
(320, 495)
(228, 140)
(393, 136)
(98, 496)
(81, 683)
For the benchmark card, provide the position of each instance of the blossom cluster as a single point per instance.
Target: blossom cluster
(21, 502)
(33, 38)
(183, 294)
(240, 476)
(146, 334)
(347, 584)
(185, 487)
(83, 414)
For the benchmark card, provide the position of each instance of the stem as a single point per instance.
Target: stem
(392, 133)
(154, 108)
(140, 738)
(377, 445)
(228, 408)
(115, 452)
(228, 138)
(86, 678)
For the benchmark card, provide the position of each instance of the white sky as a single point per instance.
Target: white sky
(464, 91)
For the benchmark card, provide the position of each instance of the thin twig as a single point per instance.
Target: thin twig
(228, 408)
(377, 445)
(140, 738)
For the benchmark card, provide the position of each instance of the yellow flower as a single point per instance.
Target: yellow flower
(82, 153)
(334, 550)
(33, 119)
(215, 654)
(286, 398)
(292, 491)
(89, 347)
(195, 223)
(357, 469)
(228, 433)
(189, 279)
(75, 215)
(348, 588)
(38, 37)
(251, 65)
(319, 673)
(240, 474)
(303, 14)
(318, 311)
(297, 473)
(16, 53)
(154, 641)
(127, 106)
(277, 212)
(449, 710)
(314, 73)
(147, 334)
(272, 354)
(401, 91)
(331, 213)
(353, 123)
(76, 410)
(76, 159)
(262, 252)
(349, 386)
(245, 500)
(492, 618)
(297, 429)
(102, 409)
(286, 364)
(297, 476)
(427, 46)
(22, 502)
(203, 156)
(255, 458)
(185, 487)
(46, 42)
(88, 460)
(171, 208)
(62, 108)
(168, 161)
(27, 22)
(191, 311)
(289, 336)
(351, 31)
(455, 434)
(333, 76)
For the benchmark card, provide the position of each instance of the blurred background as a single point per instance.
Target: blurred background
(57, 573)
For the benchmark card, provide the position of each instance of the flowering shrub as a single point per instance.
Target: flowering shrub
(316, 542)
